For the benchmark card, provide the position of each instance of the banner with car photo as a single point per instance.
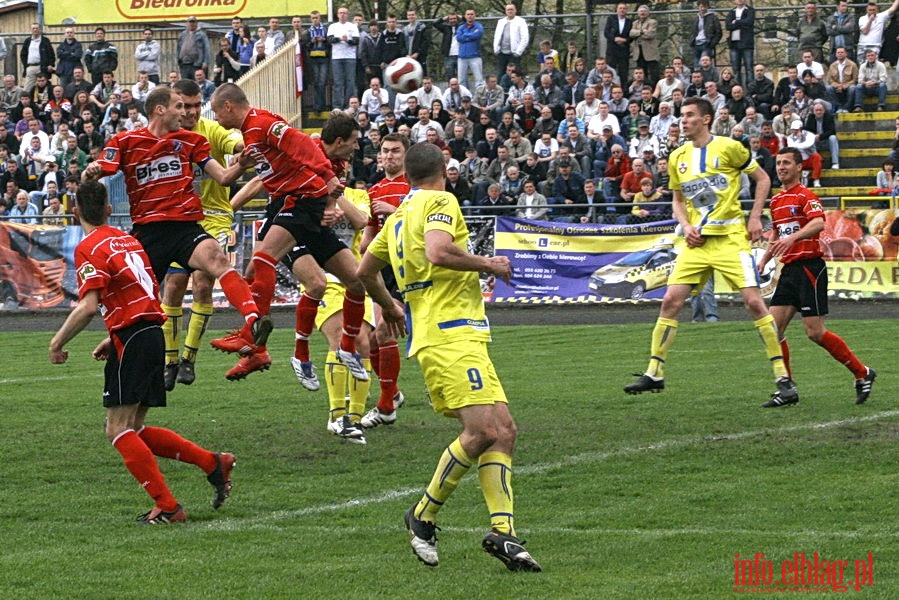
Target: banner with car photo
(564, 263)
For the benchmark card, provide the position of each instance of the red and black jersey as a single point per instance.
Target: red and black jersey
(790, 210)
(158, 173)
(294, 165)
(115, 263)
(391, 191)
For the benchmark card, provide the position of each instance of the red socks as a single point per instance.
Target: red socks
(168, 444)
(307, 308)
(238, 293)
(263, 281)
(389, 372)
(785, 351)
(841, 352)
(140, 462)
(353, 313)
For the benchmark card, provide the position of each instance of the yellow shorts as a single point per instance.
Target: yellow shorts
(459, 375)
(332, 303)
(219, 227)
(730, 256)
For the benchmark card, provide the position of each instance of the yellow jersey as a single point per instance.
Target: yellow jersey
(442, 306)
(344, 230)
(709, 180)
(216, 199)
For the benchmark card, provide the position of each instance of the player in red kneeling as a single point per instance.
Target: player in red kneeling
(113, 274)
(798, 219)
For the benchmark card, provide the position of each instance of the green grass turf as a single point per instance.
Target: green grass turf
(617, 496)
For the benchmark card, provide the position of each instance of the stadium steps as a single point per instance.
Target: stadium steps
(865, 140)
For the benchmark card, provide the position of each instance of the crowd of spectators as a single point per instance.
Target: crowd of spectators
(569, 142)
(69, 102)
(593, 139)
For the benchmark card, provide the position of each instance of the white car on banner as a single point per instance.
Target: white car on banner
(633, 275)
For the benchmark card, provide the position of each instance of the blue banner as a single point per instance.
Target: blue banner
(584, 262)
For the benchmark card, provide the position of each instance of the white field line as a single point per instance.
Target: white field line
(66, 377)
(268, 520)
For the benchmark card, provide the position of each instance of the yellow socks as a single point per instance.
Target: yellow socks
(336, 379)
(359, 393)
(200, 313)
(662, 337)
(170, 331)
(768, 332)
(495, 477)
(453, 465)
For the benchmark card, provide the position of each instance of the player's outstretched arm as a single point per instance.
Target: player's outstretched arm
(249, 191)
(77, 320)
(369, 273)
(441, 251)
(228, 175)
(356, 218)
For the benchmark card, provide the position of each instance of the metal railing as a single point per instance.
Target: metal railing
(272, 85)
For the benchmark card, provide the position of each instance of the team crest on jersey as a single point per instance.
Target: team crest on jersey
(86, 272)
(278, 129)
(681, 167)
(110, 153)
(176, 145)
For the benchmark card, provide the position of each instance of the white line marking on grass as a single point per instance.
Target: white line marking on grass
(593, 531)
(683, 531)
(39, 378)
(589, 457)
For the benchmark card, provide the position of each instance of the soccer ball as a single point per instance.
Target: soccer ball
(404, 75)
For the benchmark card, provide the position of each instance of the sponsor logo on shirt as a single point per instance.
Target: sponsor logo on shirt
(712, 182)
(123, 245)
(165, 167)
(442, 218)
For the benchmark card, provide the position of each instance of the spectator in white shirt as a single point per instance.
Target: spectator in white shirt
(870, 29)
(374, 97)
(809, 63)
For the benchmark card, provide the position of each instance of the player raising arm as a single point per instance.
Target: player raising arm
(157, 162)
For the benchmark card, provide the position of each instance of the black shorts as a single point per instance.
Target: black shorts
(322, 243)
(135, 366)
(390, 282)
(169, 241)
(322, 246)
(803, 284)
(303, 219)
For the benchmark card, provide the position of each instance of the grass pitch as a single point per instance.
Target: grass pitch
(618, 496)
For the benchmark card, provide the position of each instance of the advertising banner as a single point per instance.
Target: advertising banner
(125, 11)
(552, 262)
(583, 263)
